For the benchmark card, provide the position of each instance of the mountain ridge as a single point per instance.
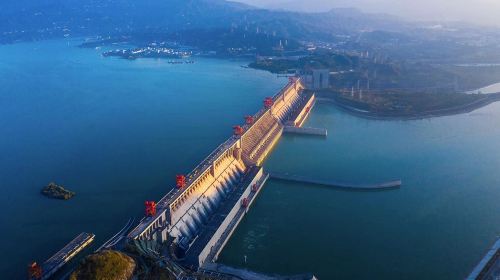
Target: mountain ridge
(105, 17)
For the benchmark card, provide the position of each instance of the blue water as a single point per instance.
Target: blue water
(114, 131)
(117, 131)
(437, 226)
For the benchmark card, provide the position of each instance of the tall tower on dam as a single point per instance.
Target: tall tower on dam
(196, 219)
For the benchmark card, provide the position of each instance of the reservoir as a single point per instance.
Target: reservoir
(112, 130)
(437, 225)
(117, 131)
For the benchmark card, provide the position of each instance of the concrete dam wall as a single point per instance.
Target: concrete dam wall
(198, 218)
(259, 137)
(285, 101)
(190, 212)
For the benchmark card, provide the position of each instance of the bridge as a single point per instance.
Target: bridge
(198, 216)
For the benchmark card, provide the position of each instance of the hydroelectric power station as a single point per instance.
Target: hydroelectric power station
(197, 217)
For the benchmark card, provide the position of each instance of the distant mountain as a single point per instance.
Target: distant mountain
(120, 14)
(231, 26)
(103, 17)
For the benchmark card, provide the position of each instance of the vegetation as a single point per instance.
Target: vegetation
(472, 78)
(106, 265)
(410, 105)
(375, 72)
(315, 60)
(56, 191)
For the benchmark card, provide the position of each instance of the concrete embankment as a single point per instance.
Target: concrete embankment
(240, 273)
(304, 110)
(64, 255)
(299, 115)
(330, 183)
(233, 217)
(306, 131)
(489, 266)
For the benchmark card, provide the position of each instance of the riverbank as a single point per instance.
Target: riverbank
(405, 106)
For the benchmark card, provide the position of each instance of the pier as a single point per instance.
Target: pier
(489, 267)
(330, 183)
(54, 263)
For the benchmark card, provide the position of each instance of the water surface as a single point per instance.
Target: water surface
(437, 226)
(114, 131)
(117, 131)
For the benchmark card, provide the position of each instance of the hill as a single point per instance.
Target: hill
(35, 20)
(109, 265)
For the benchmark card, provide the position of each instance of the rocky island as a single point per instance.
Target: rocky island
(53, 190)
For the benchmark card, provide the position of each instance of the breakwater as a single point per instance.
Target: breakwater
(306, 131)
(197, 217)
(341, 185)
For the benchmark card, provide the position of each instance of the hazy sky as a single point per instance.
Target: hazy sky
(476, 11)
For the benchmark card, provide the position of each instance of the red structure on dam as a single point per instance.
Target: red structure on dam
(197, 217)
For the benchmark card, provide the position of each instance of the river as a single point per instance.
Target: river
(437, 226)
(117, 131)
(114, 131)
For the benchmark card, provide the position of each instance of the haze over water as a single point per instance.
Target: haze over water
(117, 131)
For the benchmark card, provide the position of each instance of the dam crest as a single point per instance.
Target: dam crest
(198, 216)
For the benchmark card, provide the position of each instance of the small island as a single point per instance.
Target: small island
(53, 190)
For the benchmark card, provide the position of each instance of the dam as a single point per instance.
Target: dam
(198, 216)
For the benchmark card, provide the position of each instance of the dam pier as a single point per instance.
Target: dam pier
(198, 216)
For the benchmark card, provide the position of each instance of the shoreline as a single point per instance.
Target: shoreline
(457, 110)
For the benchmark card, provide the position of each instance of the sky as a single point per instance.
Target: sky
(484, 12)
